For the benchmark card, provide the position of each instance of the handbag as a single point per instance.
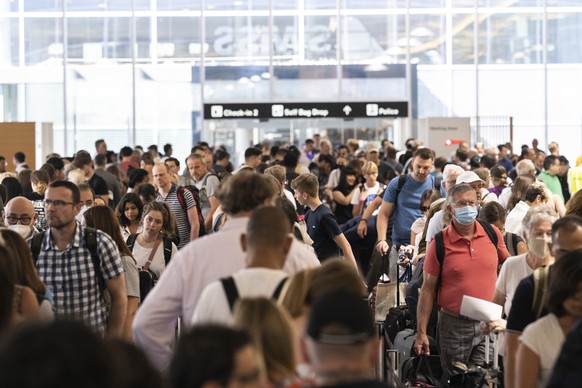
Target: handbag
(148, 279)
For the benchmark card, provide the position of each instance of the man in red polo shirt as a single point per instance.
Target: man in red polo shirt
(469, 268)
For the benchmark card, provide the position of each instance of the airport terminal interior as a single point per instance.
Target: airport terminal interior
(143, 71)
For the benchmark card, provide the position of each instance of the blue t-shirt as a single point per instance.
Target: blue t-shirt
(407, 208)
(322, 227)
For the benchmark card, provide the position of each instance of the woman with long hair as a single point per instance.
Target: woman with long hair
(103, 218)
(158, 225)
(18, 304)
(343, 193)
(129, 212)
(541, 341)
(25, 272)
(270, 328)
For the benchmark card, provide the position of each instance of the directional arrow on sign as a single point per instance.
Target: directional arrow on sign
(347, 110)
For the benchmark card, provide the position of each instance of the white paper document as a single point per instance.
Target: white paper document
(479, 309)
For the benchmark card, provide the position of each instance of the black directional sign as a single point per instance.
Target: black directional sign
(282, 110)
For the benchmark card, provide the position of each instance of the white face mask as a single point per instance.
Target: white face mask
(539, 247)
(23, 230)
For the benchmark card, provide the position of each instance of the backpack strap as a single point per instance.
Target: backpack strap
(230, 290)
(91, 242)
(540, 276)
(439, 242)
(35, 245)
(130, 242)
(279, 288)
(490, 232)
(401, 182)
(167, 249)
(181, 199)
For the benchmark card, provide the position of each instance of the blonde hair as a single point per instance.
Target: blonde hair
(369, 168)
(295, 294)
(76, 176)
(270, 328)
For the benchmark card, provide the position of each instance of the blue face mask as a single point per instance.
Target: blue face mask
(466, 215)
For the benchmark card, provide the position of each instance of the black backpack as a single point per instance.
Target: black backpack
(196, 195)
(91, 243)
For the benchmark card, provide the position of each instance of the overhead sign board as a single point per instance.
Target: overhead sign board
(275, 110)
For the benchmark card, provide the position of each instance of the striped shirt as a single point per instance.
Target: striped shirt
(70, 275)
(182, 221)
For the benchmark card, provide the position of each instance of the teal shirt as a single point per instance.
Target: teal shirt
(553, 183)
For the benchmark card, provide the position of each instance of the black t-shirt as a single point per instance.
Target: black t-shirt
(98, 185)
(322, 227)
(521, 313)
(343, 213)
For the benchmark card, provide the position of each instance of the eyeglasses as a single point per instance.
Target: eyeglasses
(57, 203)
(23, 220)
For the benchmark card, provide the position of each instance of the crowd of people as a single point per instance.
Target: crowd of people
(140, 269)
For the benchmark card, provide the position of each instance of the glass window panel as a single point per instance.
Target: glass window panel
(10, 38)
(320, 38)
(464, 3)
(383, 4)
(367, 37)
(564, 44)
(427, 39)
(433, 95)
(504, 3)
(142, 37)
(178, 5)
(94, 39)
(511, 38)
(238, 4)
(286, 39)
(179, 37)
(320, 4)
(104, 5)
(462, 39)
(237, 37)
(43, 41)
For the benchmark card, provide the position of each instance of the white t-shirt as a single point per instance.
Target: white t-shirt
(213, 305)
(545, 338)
(372, 193)
(142, 254)
(513, 270)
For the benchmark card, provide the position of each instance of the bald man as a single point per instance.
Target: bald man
(19, 215)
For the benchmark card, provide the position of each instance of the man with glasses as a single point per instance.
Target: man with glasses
(78, 265)
(437, 223)
(19, 215)
(468, 267)
(403, 204)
